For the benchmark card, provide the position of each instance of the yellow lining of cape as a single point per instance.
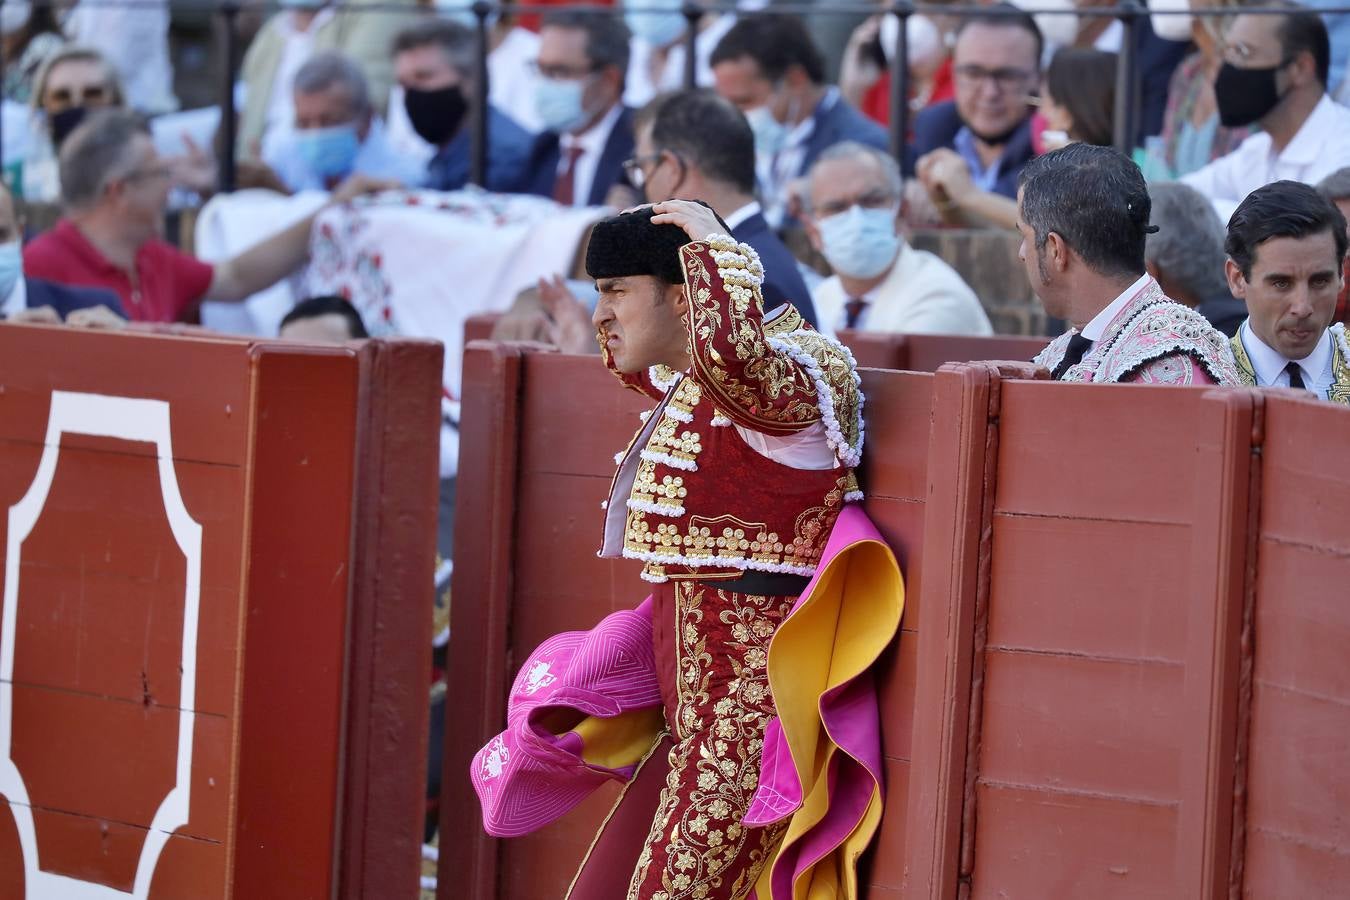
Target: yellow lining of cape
(835, 635)
(620, 740)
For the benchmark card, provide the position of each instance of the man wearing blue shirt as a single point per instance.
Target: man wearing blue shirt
(336, 131)
(434, 62)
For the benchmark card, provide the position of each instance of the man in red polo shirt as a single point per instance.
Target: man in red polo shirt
(114, 188)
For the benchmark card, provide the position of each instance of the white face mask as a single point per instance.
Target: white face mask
(11, 268)
(925, 43)
(1057, 29)
(770, 134)
(658, 27)
(558, 104)
(14, 15)
(1171, 28)
(858, 242)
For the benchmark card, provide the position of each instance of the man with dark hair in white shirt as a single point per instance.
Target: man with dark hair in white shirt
(1286, 245)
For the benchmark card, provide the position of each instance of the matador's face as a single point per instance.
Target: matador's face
(639, 322)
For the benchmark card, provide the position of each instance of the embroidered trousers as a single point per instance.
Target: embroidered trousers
(712, 648)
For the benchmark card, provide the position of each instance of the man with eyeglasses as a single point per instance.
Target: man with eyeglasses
(880, 283)
(583, 60)
(114, 188)
(987, 128)
(1274, 74)
(697, 146)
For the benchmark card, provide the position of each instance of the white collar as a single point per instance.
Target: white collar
(738, 218)
(593, 139)
(1094, 330)
(286, 24)
(1309, 141)
(1268, 363)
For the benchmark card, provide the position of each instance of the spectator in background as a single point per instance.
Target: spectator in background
(984, 135)
(28, 36)
(771, 70)
(1077, 104)
(336, 130)
(696, 146)
(864, 72)
(296, 32)
(1274, 73)
(657, 65)
(1336, 188)
(1191, 134)
(1286, 254)
(32, 299)
(134, 38)
(114, 189)
(1186, 255)
(583, 60)
(331, 319)
(434, 62)
(73, 81)
(880, 283)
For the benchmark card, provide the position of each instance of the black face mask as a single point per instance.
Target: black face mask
(1245, 96)
(435, 115)
(66, 121)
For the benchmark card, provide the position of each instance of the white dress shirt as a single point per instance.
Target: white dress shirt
(920, 295)
(1095, 329)
(639, 86)
(1319, 148)
(1269, 364)
(592, 143)
(738, 218)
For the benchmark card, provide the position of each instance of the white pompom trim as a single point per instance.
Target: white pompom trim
(675, 559)
(849, 456)
(656, 456)
(669, 510)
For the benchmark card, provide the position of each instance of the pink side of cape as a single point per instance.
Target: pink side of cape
(527, 777)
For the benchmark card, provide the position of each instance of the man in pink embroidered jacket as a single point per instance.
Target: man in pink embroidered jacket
(1083, 213)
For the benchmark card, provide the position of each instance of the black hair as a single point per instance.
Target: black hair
(607, 37)
(1083, 81)
(1281, 209)
(705, 131)
(1005, 15)
(1301, 30)
(328, 305)
(776, 43)
(1095, 199)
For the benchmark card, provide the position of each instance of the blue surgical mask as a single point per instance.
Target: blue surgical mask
(658, 27)
(11, 267)
(858, 242)
(328, 152)
(557, 102)
(770, 134)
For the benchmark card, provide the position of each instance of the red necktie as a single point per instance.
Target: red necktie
(853, 311)
(563, 184)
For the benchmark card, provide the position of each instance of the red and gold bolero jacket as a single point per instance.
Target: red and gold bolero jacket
(691, 498)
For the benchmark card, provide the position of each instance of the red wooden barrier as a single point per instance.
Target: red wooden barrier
(1083, 695)
(181, 592)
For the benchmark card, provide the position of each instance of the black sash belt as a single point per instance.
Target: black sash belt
(761, 584)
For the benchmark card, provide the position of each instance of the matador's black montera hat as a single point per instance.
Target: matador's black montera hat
(629, 244)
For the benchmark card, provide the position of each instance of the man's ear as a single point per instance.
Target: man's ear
(675, 295)
(1237, 284)
(1057, 251)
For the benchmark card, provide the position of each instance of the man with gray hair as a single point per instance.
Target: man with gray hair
(435, 63)
(880, 283)
(336, 131)
(1186, 255)
(114, 188)
(1336, 188)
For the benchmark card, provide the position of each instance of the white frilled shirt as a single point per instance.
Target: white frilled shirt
(1319, 148)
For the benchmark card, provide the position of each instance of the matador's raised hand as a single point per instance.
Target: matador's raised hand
(697, 220)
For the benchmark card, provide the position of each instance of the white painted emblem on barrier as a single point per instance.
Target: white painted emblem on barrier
(128, 420)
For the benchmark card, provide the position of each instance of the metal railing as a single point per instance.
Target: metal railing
(1129, 13)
